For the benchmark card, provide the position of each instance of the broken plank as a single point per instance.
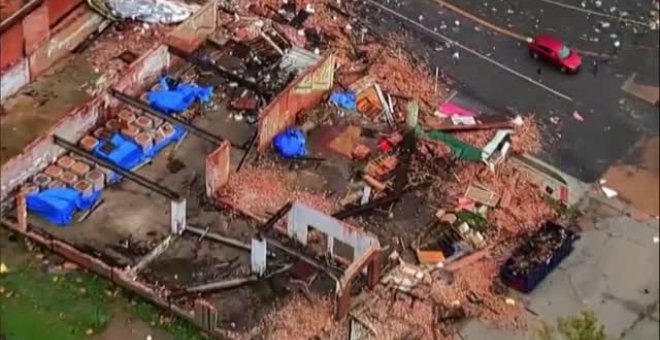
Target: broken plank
(364, 323)
(479, 193)
(429, 256)
(376, 184)
(226, 284)
(91, 210)
(464, 127)
(149, 258)
(219, 238)
(302, 257)
(468, 259)
(232, 283)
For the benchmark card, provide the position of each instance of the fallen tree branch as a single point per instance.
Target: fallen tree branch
(364, 323)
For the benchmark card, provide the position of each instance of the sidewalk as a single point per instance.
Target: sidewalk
(613, 272)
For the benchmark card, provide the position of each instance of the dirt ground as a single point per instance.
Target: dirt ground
(123, 326)
(124, 215)
(637, 177)
(43, 102)
(127, 320)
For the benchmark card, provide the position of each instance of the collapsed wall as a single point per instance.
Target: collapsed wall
(306, 91)
(39, 34)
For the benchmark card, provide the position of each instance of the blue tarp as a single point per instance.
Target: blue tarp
(128, 154)
(177, 99)
(57, 206)
(345, 100)
(290, 143)
(179, 132)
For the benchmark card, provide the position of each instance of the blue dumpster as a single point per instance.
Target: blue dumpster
(533, 260)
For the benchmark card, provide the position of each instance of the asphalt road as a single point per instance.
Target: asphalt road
(613, 120)
(598, 277)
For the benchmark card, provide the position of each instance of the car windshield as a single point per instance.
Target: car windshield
(564, 52)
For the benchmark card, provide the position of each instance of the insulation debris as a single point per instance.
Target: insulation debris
(436, 188)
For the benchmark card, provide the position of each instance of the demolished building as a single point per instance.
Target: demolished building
(198, 214)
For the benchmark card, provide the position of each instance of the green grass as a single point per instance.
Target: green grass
(179, 329)
(37, 305)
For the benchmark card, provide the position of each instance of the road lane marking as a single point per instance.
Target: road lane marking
(482, 22)
(601, 14)
(469, 50)
(502, 30)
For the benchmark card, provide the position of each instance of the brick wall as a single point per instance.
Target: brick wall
(40, 38)
(217, 169)
(301, 95)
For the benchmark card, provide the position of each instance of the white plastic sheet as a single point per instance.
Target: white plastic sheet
(153, 11)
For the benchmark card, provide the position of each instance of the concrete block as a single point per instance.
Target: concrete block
(53, 171)
(144, 123)
(42, 180)
(88, 143)
(97, 178)
(80, 168)
(66, 162)
(85, 187)
(130, 131)
(145, 141)
(68, 178)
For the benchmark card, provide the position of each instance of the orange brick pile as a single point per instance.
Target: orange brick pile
(491, 308)
(264, 190)
(393, 69)
(135, 37)
(527, 207)
(396, 319)
(300, 319)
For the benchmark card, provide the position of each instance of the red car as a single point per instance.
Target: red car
(553, 50)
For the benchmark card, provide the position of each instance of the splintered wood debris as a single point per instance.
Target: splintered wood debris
(432, 307)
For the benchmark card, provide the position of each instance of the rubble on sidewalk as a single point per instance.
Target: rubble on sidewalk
(373, 154)
(375, 82)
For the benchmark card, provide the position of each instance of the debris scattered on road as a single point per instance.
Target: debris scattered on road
(577, 116)
(609, 192)
(385, 150)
